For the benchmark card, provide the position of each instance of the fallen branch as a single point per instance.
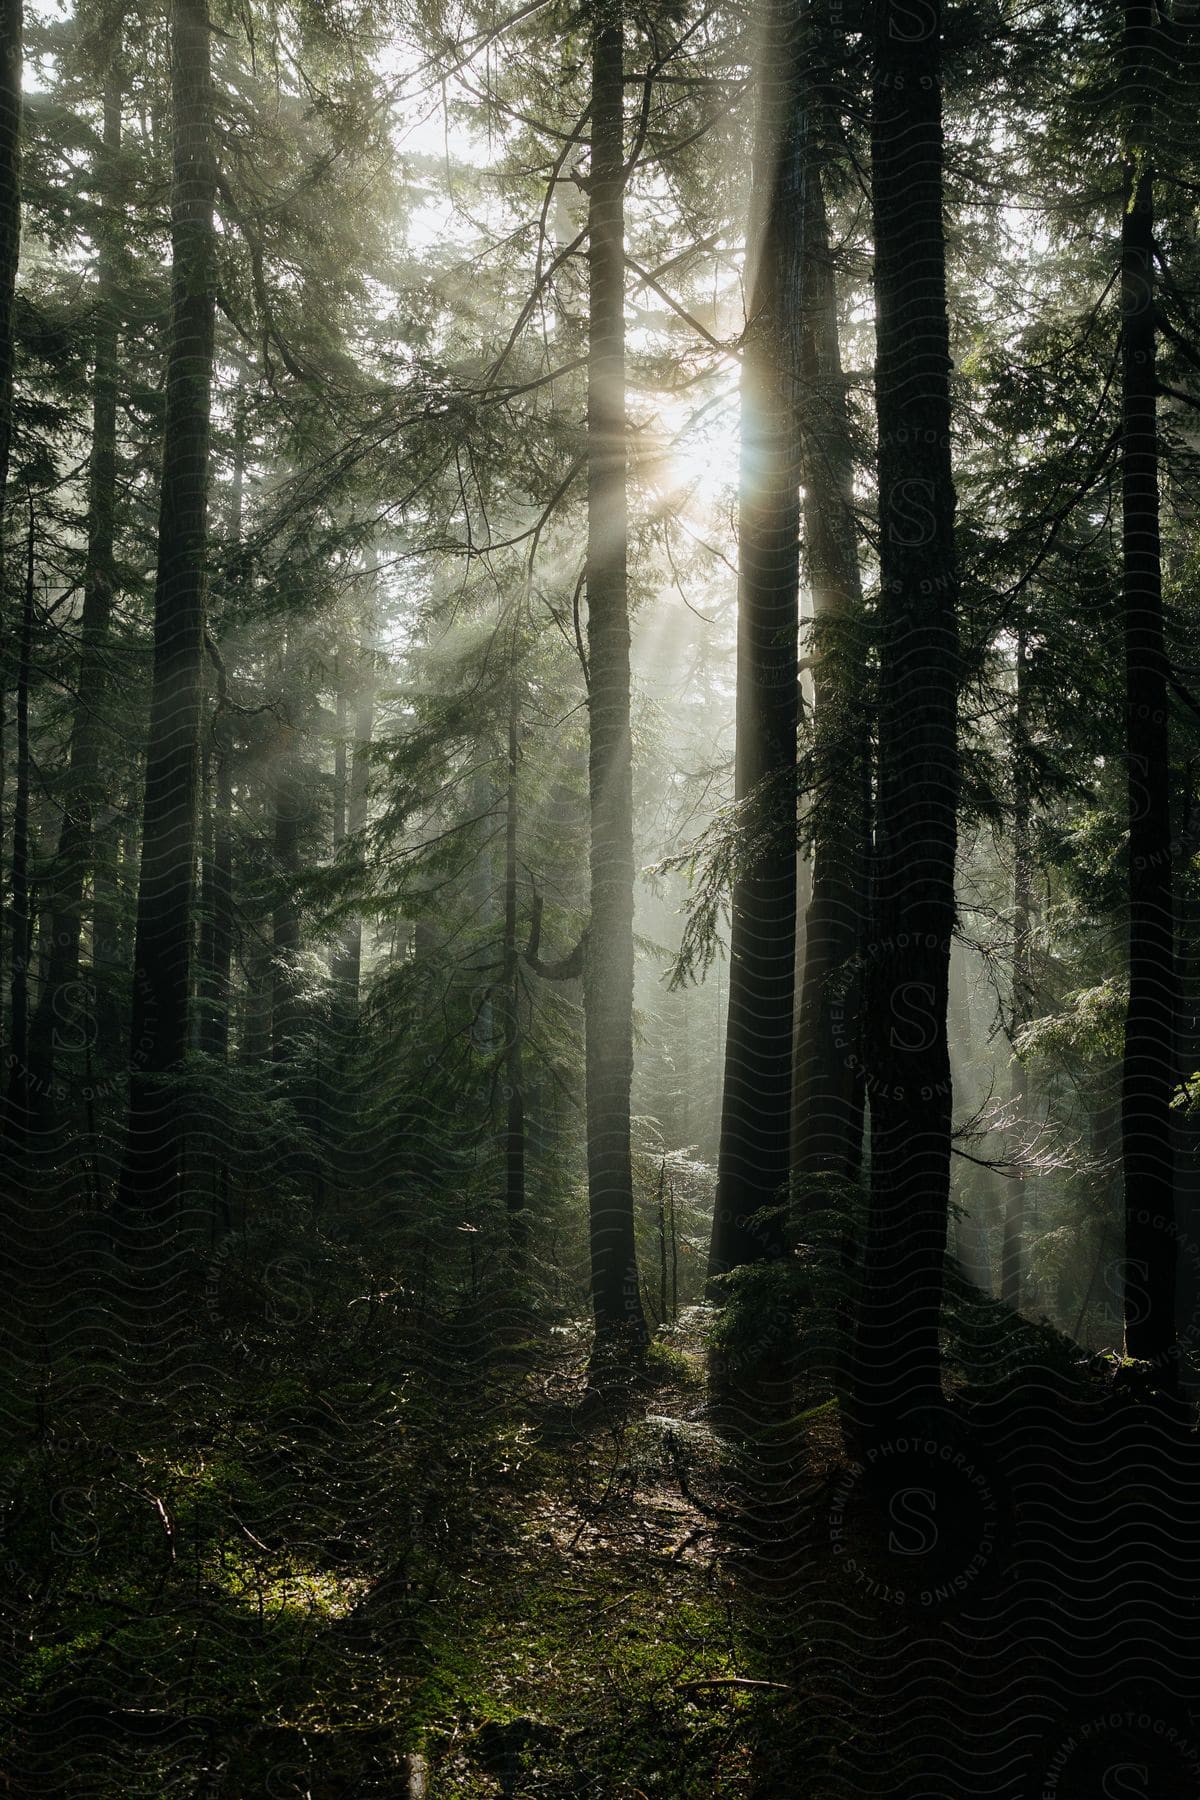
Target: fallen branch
(735, 1681)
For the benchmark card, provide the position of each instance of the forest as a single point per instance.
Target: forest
(600, 899)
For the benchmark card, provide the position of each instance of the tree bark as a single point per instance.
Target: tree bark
(287, 812)
(163, 943)
(981, 1185)
(340, 768)
(11, 24)
(11, 54)
(357, 808)
(608, 969)
(255, 1045)
(908, 959)
(215, 948)
(753, 1159)
(1012, 1254)
(62, 1002)
(19, 1118)
(1147, 1149)
(828, 1119)
(514, 1076)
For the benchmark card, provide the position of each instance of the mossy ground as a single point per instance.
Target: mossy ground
(308, 1543)
(290, 1584)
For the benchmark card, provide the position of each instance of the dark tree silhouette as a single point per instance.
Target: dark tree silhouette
(907, 961)
(755, 1143)
(61, 999)
(608, 968)
(1147, 1151)
(163, 941)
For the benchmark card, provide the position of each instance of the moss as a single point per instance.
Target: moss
(667, 1362)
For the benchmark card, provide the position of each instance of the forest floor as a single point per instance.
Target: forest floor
(335, 1560)
(609, 1651)
(288, 1562)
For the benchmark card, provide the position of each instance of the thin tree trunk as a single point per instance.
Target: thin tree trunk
(1147, 1148)
(898, 1362)
(255, 1044)
(514, 1078)
(21, 917)
(163, 944)
(663, 1312)
(608, 969)
(1012, 1254)
(340, 760)
(3, 838)
(828, 1121)
(62, 1002)
(357, 809)
(11, 56)
(285, 919)
(11, 22)
(111, 944)
(215, 949)
(753, 1160)
(985, 1204)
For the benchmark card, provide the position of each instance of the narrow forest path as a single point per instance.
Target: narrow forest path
(608, 1650)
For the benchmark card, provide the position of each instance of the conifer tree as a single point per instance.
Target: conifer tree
(608, 966)
(756, 1105)
(912, 920)
(60, 1002)
(1147, 1151)
(163, 942)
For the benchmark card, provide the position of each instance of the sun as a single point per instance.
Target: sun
(694, 452)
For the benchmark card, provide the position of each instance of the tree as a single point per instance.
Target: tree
(215, 946)
(349, 967)
(11, 23)
(828, 1118)
(163, 941)
(17, 1120)
(1147, 1152)
(898, 1363)
(608, 967)
(753, 1162)
(1012, 1254)
(59, 1002)
(514, 1073)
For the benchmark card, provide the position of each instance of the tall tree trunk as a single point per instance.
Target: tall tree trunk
(163, 944)
(981, 1184)
(255, 1045)
(753, 1160)
(21, 943)
(828, 1121)
(62, 1003)
(1147, 1149)
(11, 55)
(514, 1076)
(111, 946)
(287, 810)
(608, 971)
(3, 837)
(907, 972)
(1012, 1254)
(11, 22)
(340, 766)
(215, 948)
(357, 808)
